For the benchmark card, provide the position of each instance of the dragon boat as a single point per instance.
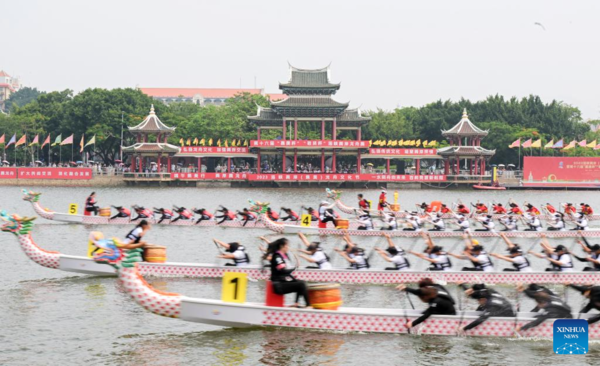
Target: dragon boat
(22, 227)
(348, 319)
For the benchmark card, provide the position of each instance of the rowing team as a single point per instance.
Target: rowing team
(493, 304)
(514, 209)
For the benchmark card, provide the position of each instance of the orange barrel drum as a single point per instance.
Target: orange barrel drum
(105, 212)
(325, 296)
(436, 206)
(341, 223)
(395, 207)
(155, 254)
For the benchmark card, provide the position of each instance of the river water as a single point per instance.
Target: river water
(53, 317)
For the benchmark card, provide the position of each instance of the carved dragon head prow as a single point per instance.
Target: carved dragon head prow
(16, 224)
(333, 194)
(31, 196)
(111, 253)
(258, 207)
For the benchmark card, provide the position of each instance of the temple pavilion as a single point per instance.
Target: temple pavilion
(310, 98)
(465, 139)
(143, 152)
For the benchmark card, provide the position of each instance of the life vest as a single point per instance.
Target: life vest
(364, 204)
(208, 214)
(499, 210)
(482, 265)
(516, 210)
(570, 209)
(244, 259)
(483, 209)
(405, 264)
(428, 209)
(168, 212)
(550, 208)
(445, 210)
(324, 260)
(90, 202)
(231, 215)
(274, 216)
(441, 266)
(520, 267)
(569, 265)
(126, 211)
(465, 210)
(595, 256)
(135, 238)
(587, 211)
(295, 215)
(534, 210)
(186, 214)
(362, 265)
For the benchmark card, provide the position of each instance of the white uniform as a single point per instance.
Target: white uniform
(522, 263)
(400, 262)
(321, 260)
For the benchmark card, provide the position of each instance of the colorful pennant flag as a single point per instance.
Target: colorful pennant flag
(582, 143)
(21, 141)
(517, 143)
(559, 144)
(12, 140)
(246, 143)
(46, 141)
(527, 144)
(219, 143)
(67, 141)
(2, 138)
(188, 142)
(196, 141)
(92, 141)
(549, 145)
(210, 142)
(592, 144)
(202, 142)
(57, 140)
(538, 143)
(36, 140)
(570, 145)
(81, 144)
(181, 142)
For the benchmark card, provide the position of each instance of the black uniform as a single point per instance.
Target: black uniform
(595, 266)
(555, 309)
(594, 300)
(284, 282)
(438, 305)
(495, 306)
(534, 289)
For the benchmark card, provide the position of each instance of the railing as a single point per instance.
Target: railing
(147, 176)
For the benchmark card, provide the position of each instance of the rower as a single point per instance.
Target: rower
(509, 222)
(475, 253)
(445, 209)
(499, 209)
(234, 251)
(531, 209)
(559, 257)
(363, 203)
(551, 308)
(587, 210)
(314, 215)
(425, 207)
(481, 208)
(463, 210)
(247, 216)
(281, 272)
(442, 291)
(515, 209)
(184, 214)
(487, 222)
(354, 255)
(165, 214)
(382, 203)
(142, 212)
(273, 216)
(204, 215)
(315, 253)
(581, 222)
(394, 255)
(533, 289)
(326, 213)
(593, 294)
(291, 215)
(90, 204)
(515, 257)
(122, 212)
(593, 255)
(534, 222)
(389, 220)
(135, 236)
(226, 215)
(364, 220)
(463, 223)
(414, 222)
(438, 223)
(557, 223)
(435, 255)
(551, 209)
(491, 304)
(569, 209)
(437, 304)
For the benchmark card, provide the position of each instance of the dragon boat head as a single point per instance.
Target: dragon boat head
(333, 194)
(16, 224)
(109, 252)
(31, 196)
(258, 207)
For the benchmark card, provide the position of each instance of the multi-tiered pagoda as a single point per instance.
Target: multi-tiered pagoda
(309, 99)
(465, 138)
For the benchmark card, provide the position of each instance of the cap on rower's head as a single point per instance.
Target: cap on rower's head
(436, 249)
(474, 241)
(595, 247)
(560, 248)
(481, 294)
(312, 247)
(392, 250)
(499, 204)
(515, 250)
(233, 247)
(443, 205)
(426, 282)
(360, 195)
(489, 216)
(479, 286)
(477, 248)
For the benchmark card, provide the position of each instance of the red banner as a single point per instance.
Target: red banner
(560, 169)
(210, 176)
(212, 150)
(402, 152)
(310, 143)
(310, 177)
(8, 173)
(55, 173)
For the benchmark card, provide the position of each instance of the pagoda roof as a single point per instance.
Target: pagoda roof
(465, 128)
(464, 151)
(309, 81)
(150, 147)
(309, 106)
(266, 117)
(152, 124)
(3, 74)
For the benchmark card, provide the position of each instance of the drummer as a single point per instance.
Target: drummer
(395, 255)
(382, 203)
(326, 213)
(281, 272)
(553, 309)
(314, 253)
(437, 304)
(236, 252)
(90, 204)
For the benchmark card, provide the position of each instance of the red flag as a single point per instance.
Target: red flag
(515, 144)
(67, 141)
(2, 139)
(46, 141)
(21, 141)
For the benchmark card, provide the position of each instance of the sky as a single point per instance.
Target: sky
(386, 54)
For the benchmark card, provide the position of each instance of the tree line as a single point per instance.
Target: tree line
(104, 113)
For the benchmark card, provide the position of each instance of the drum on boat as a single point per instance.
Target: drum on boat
(395, 207)
(325, 296)
(105, 212)
(155, 254)
(341, 223)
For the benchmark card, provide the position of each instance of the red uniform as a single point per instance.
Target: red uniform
(482, 209)
(382, 201)
(500, 210)
(445, 210)
(550, 208)
(364, 204)
(428, 209)
(587, 210)
(187, 214)
(168, 212)
(533, 210)
(126, 211)
(273, 215)
(231, 215)
(569, 209)
(464, 210)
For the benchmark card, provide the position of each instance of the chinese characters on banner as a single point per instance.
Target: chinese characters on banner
(212, 150)
(309, 177)
(8, 173)
(309, 143)
(55, 173)
(402, 152)
(561, 169)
